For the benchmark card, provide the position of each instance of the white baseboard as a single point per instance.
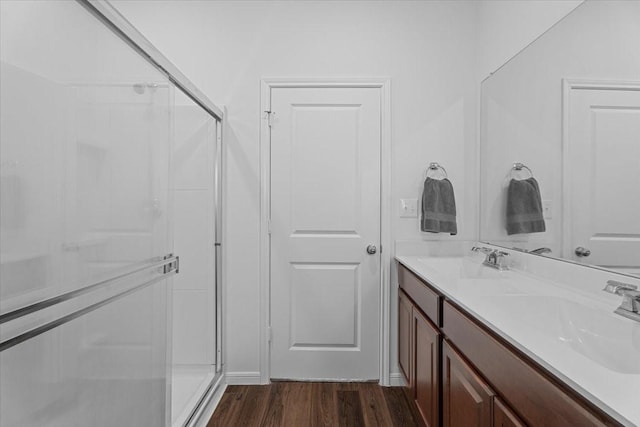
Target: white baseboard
(396, 380)
(253, 378)
(207, 412)
(243, 378)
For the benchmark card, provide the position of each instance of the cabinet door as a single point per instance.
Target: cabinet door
(503, 416)
(405, 345)
(426, 367)
(467, 399)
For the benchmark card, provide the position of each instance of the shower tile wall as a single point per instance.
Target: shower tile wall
(193, 234)
(194, 305)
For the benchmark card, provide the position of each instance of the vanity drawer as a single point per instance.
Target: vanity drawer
(521, 383)
(422, 295)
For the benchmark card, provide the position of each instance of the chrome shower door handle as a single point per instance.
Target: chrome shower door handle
(582, 252)
(371, 249)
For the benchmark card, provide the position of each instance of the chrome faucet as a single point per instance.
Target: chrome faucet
(494, 257)
(630, 306)
(540, 251)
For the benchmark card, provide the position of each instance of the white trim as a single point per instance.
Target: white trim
(223, 236)
(397, 380)
(602, 84)
(387, 252)
(265, 197)
(567, 86)
(565, 237)
(243, 378)
(384, 84)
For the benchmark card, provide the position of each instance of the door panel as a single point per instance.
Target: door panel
(337, 283)
(604, 151)
(325, 211)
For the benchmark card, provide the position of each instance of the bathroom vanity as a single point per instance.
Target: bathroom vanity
(479, 347)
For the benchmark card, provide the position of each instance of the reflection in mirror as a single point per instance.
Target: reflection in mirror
(568, 107)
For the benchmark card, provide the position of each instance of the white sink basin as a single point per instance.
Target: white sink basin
(592, 332)
(469, 274)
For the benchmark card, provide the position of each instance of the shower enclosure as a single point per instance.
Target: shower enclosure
(110, 166)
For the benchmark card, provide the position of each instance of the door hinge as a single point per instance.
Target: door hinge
(269, 227)
(269, 334)
(269, 116)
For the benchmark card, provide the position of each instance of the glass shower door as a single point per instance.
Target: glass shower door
(195, 312)
(85, 269)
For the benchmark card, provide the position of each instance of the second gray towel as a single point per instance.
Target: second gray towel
(438, 207)
(524, 207)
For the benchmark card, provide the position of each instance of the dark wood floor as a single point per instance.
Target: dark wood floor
(302, 404)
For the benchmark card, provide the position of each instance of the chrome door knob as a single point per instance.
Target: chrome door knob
(582, 252)
(371, 249)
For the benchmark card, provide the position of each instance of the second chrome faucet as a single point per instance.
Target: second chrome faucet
(630, 306)
(494, 257)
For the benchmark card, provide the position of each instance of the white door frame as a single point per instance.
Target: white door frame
(384, 85)
(569, 85)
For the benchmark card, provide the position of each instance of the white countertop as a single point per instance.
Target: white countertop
(572, 332)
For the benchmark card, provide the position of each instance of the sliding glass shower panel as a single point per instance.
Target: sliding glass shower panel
(106, 368)
(85, 131)
(194, 293)
(116, 200)
(84, 153)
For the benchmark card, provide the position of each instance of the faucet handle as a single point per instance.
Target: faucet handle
(618, 288)
(501, 253)
(482, 249)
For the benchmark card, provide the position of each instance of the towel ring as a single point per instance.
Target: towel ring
(518, 167)
(434, 166)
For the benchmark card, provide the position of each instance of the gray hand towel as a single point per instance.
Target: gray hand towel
(524, 207)
(438, 207)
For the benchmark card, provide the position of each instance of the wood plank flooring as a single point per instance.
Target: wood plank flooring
(304, 404)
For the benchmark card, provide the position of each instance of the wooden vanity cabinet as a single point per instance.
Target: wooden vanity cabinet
(419, 358)
(537, 399)
(503, 416)
(405, 342)
(467, 399)
(426, 378)
(460, 373)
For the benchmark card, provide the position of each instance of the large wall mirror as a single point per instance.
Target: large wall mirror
(568, 109)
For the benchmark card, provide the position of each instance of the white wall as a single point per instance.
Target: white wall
(428, 49)
(226, 48)
(506, 27)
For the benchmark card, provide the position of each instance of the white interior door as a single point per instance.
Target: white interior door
(604, 154)
(325, 212)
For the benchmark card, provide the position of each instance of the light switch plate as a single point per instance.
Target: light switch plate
(408, 208)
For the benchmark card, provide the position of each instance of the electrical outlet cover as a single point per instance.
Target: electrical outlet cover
(546, 209)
